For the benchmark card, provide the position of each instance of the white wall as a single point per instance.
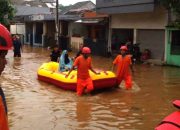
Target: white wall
(147, 20)
(78, 28)
(17, 29)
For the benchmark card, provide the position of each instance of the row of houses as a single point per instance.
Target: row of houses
(144, 21)
(78, 23)
(103, 27)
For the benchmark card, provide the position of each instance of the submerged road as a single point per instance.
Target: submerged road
(35, 105)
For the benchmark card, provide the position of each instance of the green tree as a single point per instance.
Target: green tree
(6, 12)
(172, 6)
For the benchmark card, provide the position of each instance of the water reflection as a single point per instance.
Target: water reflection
(83, 113)
(35, 105)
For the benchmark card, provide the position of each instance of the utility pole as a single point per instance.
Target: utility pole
(57, 28)
(57, 22)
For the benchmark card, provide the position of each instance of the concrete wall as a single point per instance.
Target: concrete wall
(76, 42)
(78, 29)
(147, 20)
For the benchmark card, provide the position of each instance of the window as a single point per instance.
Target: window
(175, 42)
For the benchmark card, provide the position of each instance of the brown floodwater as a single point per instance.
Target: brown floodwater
(35, 105)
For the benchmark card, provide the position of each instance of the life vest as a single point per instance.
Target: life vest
(171, 122)
(176, 103)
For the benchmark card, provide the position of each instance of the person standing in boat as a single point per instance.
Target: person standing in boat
(83, 64)
(55, 54)
(65, 63)
(5, 45)
(123, 63)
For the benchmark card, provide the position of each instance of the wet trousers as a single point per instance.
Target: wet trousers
(127, 79)
(84, 85)
(3, 117)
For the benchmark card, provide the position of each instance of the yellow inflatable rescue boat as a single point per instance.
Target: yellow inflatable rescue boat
(48, 72)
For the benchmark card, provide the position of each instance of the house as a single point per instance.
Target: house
(141, 21)
(92, 31)
(172, 55)
(39, 23)
(31, 30)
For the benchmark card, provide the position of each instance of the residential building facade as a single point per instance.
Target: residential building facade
(39, 23)
(141, 21)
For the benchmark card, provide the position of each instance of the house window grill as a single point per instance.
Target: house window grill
(175, 42)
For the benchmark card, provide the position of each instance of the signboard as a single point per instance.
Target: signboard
(37, 17)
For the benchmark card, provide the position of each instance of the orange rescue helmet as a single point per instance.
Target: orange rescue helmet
(5, 38)
(123, 48)
(86, 50)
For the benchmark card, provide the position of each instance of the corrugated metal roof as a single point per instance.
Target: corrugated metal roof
(29, 2)
(63, 17)
(32, 3)
(124, 6)
(49, 17)
(28, 10)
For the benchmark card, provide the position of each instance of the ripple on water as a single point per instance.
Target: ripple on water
(35, 105)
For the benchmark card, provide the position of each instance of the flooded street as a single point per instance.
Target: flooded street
(35, 105)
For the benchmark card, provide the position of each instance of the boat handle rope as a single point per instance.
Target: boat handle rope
(105, 73)
(72, 77)
(172, 123)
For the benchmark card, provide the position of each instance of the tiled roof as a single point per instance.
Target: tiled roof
(87, 5)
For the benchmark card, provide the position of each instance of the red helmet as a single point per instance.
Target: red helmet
(124, 48)
(86, 50)
(5, 38)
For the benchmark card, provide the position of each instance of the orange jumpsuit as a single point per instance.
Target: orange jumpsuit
(3, 117)
(84, 80)
(123, 72)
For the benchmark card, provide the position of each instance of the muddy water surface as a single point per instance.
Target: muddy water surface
(35, 105)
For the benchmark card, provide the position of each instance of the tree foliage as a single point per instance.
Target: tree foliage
(172, 6)
(6, 12)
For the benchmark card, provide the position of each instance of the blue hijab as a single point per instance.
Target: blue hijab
(65, 62)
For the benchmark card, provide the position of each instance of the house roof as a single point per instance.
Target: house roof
(125, 6)
(50, 17)
(94, 15)
(85, 5)
(72, 12)
(36, 3)
(29, 10)
(63, 17)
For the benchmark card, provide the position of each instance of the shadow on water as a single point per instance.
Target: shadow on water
(35, 105)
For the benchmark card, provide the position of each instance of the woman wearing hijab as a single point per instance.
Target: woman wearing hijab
(65, 63)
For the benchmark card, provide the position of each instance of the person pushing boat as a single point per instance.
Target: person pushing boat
(83, 64)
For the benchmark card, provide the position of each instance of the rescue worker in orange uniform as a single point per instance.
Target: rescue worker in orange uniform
(5, 45)
(123, 63)
(83, 64)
